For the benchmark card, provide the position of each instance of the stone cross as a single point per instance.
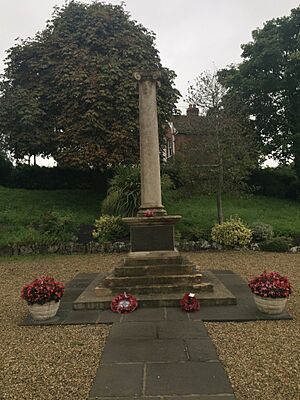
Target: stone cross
(149, 144)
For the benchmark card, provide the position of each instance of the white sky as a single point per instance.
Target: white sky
(192, 35)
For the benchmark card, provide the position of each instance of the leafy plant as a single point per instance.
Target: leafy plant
(278, 244)
(55, 226)
(261, 232)
(42, 290)
(270, 285)
(124, 193)
(109, 228)
(231, 233)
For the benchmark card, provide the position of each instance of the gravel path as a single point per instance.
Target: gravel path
(58, 363)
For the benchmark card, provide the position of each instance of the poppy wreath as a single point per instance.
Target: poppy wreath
(149, 213)
(124, 303)
(189, 303)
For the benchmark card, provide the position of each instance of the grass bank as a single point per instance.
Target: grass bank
(20, 208)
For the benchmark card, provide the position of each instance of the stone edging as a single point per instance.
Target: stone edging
(116, 247)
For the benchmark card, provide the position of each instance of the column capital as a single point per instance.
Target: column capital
(147, 75)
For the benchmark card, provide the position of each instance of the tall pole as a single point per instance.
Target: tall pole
(149, 143)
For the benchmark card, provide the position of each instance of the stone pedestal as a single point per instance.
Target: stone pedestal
(152, 233)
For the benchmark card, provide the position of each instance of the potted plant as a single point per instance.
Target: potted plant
(43, 297)
(270, 292)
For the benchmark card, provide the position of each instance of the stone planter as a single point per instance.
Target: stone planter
(42, 312)
(268, 305)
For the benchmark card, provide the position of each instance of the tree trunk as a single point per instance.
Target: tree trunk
(219, 195)
(296, 151)
(34, 160)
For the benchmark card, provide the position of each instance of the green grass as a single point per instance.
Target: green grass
(19, 208)
(200, 212)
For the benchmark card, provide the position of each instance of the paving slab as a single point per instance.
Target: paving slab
(82, 317)
(176, 314)
(201, 349)
(181, 329)
(144, 350)
(186, 378)
(145, 314)
(118, 380)
(137, 330)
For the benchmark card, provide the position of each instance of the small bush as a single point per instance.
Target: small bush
(231, 233)
(55, 227)
(261, 232)
(279, 244)
(109, 228)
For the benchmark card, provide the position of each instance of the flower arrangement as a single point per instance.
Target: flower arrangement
(124, 303)
(42, 290)
(149, 213)
(189, 302)
(271, 285)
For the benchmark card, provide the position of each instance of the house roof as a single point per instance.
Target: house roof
(188, 124)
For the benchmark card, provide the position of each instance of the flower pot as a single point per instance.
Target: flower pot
(269, 305)
(41, 312)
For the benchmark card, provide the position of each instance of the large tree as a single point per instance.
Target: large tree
(69, 92)
(268, 82)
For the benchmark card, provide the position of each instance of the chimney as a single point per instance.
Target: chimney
(192, 111)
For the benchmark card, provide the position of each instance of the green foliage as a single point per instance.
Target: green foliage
(59, 226)
(109, 228)
(279, 182)
(278, 244)
(124, 193)
(5, 168)
(267, 81)
(261, 232)
(69, 92)
(231, 233)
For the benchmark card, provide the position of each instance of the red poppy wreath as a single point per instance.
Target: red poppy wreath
(189, 302)
(124, 303)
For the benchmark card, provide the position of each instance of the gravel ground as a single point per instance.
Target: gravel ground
(261, 358)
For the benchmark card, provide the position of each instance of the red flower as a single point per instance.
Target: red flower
(270, 285)
(149, 213)
(124, 303)
(42, 290)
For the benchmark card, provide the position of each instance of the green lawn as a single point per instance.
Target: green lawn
(19, 208)
(200, 212)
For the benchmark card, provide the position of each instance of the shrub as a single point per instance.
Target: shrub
(231, 233)
(270, 285)
(278, 244)
(55, 227)
(261, 232)
(124, 193)
(42, 290)
(109, 228)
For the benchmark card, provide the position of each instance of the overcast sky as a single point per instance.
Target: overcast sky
(192, 35)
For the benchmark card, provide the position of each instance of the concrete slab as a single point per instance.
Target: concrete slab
(144, 350)
(186, 378)
(201, 349)
(118, 380)
(181, 329)
(138, 330)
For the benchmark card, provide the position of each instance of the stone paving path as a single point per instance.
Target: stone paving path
(160, 354)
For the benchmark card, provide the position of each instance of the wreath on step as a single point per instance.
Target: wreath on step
(124, 303)
(189, 302)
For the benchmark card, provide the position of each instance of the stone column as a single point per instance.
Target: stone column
(149, 143)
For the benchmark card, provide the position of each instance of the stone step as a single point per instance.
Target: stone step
(154, 258)
(149, 280)
(138, 270)
(161, 289)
